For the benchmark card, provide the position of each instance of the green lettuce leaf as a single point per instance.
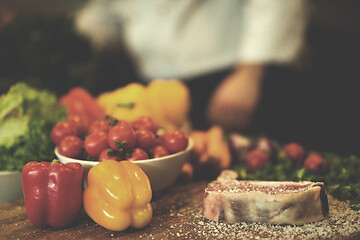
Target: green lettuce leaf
(27, 116)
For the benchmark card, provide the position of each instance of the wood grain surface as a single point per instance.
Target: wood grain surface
(178, 215)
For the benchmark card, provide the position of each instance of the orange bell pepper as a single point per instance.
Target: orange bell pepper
(118, 195)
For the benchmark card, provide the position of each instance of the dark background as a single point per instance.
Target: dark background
(315, 102)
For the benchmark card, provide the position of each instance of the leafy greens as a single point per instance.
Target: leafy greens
(27, 116)
(342, 181)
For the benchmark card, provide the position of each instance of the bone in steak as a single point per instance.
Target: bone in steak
(274, 202)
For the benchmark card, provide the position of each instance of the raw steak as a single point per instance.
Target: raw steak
(274, 202)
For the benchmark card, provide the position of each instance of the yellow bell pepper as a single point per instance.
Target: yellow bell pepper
(118, 195)
(166, 101)
(126, 103)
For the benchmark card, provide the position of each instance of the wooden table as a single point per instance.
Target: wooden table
(177, 215)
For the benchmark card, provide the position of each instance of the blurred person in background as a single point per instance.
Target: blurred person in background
(305, 94)
(220, 49)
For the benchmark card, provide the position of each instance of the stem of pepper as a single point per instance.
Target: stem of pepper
(130, 105)
(54, 161)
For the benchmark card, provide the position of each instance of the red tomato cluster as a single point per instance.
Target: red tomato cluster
(257, 158)
(116, 139)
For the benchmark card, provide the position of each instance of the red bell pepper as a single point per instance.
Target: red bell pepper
(79, 101)
(52, 192)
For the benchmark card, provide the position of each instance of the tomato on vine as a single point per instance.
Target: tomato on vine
(95, 143)
(160, 151)
(110, 154)
(99, 125)
(145, 122)
(71, 146)
(81, 122)
(138, 154)
(61, 130)
(176, 141)
(121, 135)
(145, 138)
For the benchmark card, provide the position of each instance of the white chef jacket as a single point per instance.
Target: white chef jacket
(186, 38)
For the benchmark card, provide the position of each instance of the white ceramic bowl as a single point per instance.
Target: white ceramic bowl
(10, 186)
(162, 172)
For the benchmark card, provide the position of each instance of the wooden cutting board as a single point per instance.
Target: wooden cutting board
(178, 215)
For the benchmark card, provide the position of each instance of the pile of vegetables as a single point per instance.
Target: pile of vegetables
(118, 125)
(118, 193)
(265, 159)
(27, 116)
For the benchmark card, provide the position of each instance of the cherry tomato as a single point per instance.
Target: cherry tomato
(145, 122)
(256, 160)
(176, 141)
(160, 151)
(295, 152)
(71, 146)
(99, 125)
(95, 143)
(123, 134)
(145, 138)
(61, 130)
(81, 122)
(138, 154)
(109, 154)
(126, 123)
(316, 164)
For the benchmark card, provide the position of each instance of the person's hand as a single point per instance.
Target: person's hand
(235, 100)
